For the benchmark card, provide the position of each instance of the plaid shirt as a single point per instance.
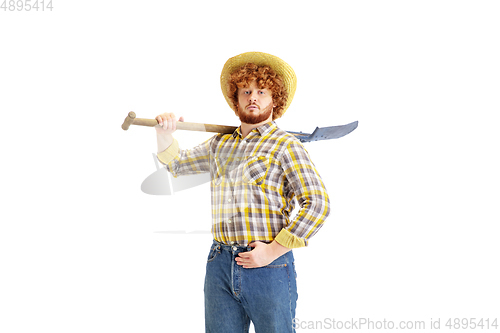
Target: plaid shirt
(253, 183)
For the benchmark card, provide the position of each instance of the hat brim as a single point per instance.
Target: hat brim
(284, 70)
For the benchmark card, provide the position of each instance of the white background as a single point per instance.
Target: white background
(414, 228)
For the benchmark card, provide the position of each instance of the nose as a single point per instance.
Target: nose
(253, 96)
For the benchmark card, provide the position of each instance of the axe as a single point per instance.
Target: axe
(320, 133)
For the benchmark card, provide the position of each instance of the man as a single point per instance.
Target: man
(256, 173)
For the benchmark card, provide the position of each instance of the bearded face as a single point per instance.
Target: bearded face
(254, 105)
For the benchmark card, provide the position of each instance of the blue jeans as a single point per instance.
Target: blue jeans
(234, 295)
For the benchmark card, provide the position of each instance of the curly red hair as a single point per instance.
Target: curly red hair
(266, 78)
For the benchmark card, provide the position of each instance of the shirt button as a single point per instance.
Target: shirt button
(228, 200)
(228, 221)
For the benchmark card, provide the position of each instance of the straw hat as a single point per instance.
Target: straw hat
(258, 58)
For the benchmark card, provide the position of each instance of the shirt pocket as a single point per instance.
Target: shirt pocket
(255, 169)
(218, 166)
(224, 168)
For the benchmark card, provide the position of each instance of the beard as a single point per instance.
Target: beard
(248, 117)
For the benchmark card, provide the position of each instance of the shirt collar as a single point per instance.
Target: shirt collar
(263, 129)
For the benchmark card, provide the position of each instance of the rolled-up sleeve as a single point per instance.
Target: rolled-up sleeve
(188, 161)
(169, 154)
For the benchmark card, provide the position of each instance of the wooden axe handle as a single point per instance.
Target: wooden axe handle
(132, 120)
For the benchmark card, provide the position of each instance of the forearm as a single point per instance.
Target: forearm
(311, 195)
(166, 126)
(164, 141)
(262, 255)
(313, 212)
(277, 249)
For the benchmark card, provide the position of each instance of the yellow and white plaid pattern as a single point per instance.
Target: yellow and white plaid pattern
(254, 183)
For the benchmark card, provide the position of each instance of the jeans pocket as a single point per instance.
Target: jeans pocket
(214, 252)
(279, 262)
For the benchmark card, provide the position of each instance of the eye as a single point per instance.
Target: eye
(261, 92)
